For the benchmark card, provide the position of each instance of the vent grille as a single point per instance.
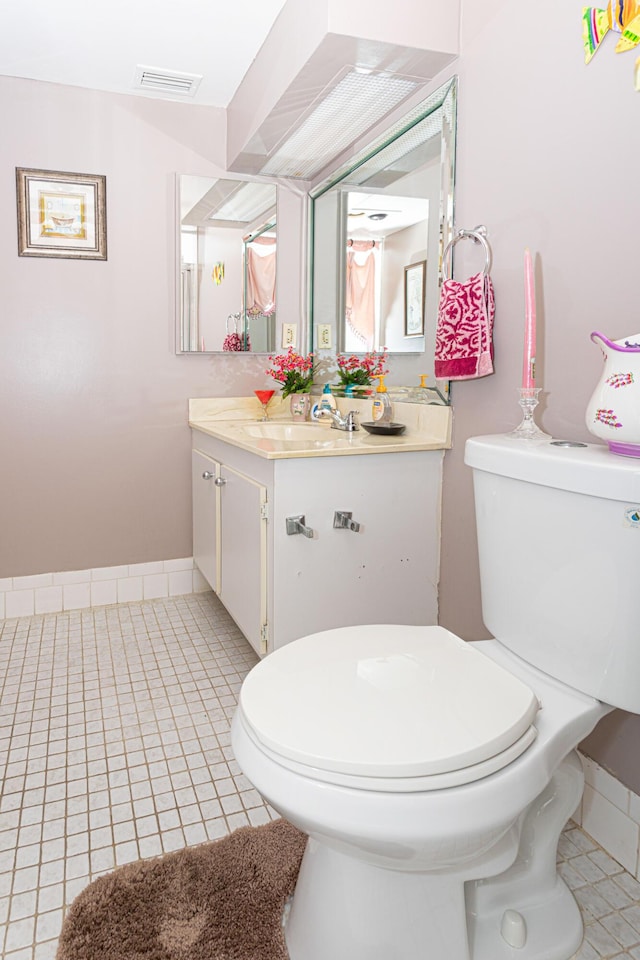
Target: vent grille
(167, 81)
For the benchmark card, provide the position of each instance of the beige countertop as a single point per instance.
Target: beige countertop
(237, 421)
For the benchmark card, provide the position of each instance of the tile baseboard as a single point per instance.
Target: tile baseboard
(610, 813)
(99, 586)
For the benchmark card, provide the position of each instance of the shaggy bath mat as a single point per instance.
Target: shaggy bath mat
(219, 901)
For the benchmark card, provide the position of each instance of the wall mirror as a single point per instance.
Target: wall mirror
(227, 255)
(379, 226)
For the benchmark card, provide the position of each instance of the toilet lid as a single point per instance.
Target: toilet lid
(385, 701)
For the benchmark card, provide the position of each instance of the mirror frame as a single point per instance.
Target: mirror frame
(425, 108)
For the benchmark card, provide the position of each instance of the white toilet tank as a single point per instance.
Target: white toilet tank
(559, 548)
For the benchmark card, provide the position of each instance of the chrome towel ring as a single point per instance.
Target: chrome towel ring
(478, 235)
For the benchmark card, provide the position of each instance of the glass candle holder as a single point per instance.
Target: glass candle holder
(528, 429)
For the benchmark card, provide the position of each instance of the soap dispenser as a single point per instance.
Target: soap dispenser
(382, 409)
(327, 402)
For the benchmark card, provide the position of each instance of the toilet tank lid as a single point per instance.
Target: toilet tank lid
(590, 468)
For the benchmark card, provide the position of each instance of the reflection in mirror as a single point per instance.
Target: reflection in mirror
(228, 253)
(385, 234)
(380, 224)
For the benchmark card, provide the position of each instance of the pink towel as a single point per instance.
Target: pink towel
(464, 344)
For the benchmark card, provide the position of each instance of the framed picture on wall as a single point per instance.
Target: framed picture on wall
(61, 214)
(414, 289)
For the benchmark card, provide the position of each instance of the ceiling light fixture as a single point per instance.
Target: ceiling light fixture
(249, 201)
(352, 106)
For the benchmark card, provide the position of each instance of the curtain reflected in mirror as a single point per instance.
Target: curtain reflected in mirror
(385, 233)
(228, 254)
(260, 290)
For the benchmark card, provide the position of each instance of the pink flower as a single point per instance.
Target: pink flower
(362, 369)
(293, 370)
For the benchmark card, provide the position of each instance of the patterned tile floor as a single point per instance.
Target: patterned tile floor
(114, 745)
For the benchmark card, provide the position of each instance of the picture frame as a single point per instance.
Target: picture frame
(61, 214)
(415, 275)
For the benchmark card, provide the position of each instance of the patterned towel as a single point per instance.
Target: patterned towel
(464, 344)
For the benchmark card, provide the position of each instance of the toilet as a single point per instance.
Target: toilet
(434, 776)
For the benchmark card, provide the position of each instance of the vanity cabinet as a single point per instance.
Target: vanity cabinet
(277, 586)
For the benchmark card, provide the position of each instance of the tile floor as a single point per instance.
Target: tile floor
(114, 745)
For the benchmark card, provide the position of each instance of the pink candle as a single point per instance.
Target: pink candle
(529, 358)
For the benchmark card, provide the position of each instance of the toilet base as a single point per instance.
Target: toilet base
(354, 911)
(346, 909)
(553, 930)
(531, 887)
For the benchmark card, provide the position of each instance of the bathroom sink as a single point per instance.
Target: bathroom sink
(285, 431)
(288, 436)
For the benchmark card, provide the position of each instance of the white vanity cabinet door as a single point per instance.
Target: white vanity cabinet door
(243, 554)
(206, 517)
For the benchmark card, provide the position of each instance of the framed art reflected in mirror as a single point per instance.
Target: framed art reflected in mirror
(415, 276)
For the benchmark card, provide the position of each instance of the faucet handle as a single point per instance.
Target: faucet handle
(296, 525)
(342, 520)
(352, 421)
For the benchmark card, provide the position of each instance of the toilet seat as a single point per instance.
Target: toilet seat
(386, 707)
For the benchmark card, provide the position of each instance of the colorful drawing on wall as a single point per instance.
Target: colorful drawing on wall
(620, 16)
(61, 214)
(217, 274)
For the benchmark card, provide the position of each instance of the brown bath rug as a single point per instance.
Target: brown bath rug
(219, 901)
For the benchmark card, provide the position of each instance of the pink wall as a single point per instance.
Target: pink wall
(546, 150)
(94, 457)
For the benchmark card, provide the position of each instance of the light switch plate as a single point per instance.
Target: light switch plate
(324, 336)
(289, 334)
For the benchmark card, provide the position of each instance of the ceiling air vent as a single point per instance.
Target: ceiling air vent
(153, 79)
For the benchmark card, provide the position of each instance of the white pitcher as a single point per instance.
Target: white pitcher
(613, 413)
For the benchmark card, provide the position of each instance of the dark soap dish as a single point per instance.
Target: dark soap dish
(385, 429)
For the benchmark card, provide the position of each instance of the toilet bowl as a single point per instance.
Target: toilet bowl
(433, 776)
(410, 801)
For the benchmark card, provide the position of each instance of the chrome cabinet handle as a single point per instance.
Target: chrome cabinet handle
(219, 481)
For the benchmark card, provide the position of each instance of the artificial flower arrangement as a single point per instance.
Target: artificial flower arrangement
(359, 370)
(293, 371)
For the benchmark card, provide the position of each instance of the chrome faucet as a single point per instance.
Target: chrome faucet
(348, 422)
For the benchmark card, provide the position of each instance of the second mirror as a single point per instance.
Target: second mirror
(227, 268)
